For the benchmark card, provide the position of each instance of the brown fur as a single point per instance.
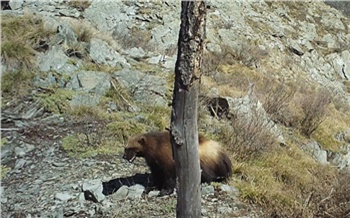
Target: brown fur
(156, 148)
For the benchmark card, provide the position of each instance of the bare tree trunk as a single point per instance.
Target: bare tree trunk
(184, 132)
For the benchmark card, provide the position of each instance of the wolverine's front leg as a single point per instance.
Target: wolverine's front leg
(169, 185)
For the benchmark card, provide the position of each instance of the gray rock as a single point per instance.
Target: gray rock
(95, 187)
(155, 59)
(148, 89)
(55, 59)
(250, 109)
(341, 64)
(58, 164)
(90, 82)
(65, 36)
(152, 194)
(28, 147)
(64, 196)
(20, 152)
(84, 99)
(341, 159)
(229, 189)
(20, 163)
(33, 110)
(2, 195)
(169, 62)
(121, 193)
(45, 82)
(106, 15)
(225, 210)
(316, 151)
(7, 150)
(136, 53)
(102, 53)
(135, 191)
(16, 4)
(207, 190)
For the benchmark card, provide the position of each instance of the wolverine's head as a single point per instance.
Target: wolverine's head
(134, 148)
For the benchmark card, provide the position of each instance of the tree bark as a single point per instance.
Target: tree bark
(184, 132)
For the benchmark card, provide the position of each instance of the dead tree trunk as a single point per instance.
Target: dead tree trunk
(184, 132)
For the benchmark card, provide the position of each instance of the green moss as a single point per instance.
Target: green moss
(3, 142)
(89, 145)
(56, 100)
(124, 129)
(4, 171)
(157, 117)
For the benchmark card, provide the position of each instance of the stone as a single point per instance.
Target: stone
(20, 152)
(16, 4)
(121, 193)
(135, 191)
(20, 163)
(2, 195)
(316, 151)
(229, 189)
(94, 187)
(148, 89)
(102, 53)
(155, 59)
(84, 99)
(55, 59)
(136, 53)
(207, 190)
(90, 82)
(64, 196)
(152, 194)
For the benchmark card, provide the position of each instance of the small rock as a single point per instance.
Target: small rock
(20, 164)
(28, 147)
(225, 210)
(63, 196)
(153, 194)
(3, 196)
(207, 190)
(82, 197)
(19, 152)
(16, 4)
(57, 164)
(229, 189)
(122, 192)
(95, 188)
(155, 59)
(136, 191)
(136, 52)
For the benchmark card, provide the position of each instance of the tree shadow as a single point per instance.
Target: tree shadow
(113, 185)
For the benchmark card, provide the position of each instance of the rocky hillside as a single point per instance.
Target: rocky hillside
(79, 77)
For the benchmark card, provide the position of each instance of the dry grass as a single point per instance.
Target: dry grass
(314, 107)
(20, 35)
(80, 5)
(16, 83)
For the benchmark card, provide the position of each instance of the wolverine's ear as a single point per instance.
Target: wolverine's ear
(142, 140)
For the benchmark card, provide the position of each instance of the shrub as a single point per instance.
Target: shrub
(276, 98)
(249, 136)
(314, 106)
(334, 201)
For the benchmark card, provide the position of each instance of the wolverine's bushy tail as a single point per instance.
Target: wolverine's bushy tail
(215, 164)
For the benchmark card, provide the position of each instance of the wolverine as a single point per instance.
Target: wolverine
(156, 148)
